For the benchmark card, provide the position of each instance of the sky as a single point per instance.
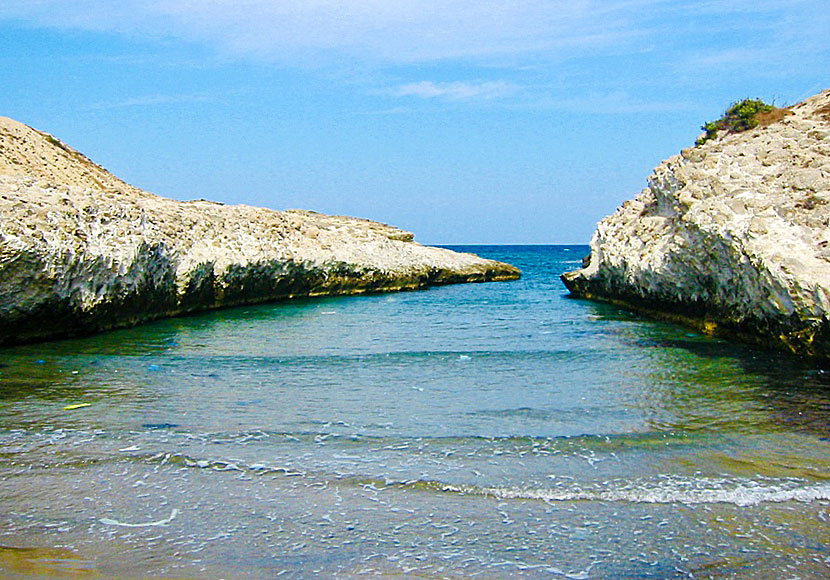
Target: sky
(465, 122)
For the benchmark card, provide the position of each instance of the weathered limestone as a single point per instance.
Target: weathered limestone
(82, 251)
(731, 236)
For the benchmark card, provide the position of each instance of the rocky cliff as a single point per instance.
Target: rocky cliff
(731, 236)
(82, 251)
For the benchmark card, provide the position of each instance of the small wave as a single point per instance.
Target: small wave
(159, 426)
(666, 491)
(523, 412)
(221, 464)
(393, 357)
(159, 523)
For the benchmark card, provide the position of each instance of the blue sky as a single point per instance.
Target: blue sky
(522, 121)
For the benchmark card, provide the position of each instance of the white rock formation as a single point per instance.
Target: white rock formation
(82, 251)
(731, 236)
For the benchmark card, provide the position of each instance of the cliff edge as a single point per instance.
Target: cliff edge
(731, 236)
(82, 251)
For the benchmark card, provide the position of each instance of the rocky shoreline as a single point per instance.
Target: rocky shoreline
(82, 251)
(732, 237)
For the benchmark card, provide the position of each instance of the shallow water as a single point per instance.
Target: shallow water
(474, 431)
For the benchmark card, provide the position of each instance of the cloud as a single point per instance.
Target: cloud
(613, 103)
(393, 31)
(456, 91)
(513, 33)
(154, 100)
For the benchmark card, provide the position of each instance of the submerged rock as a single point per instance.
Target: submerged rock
(82, 251)
(731, 236)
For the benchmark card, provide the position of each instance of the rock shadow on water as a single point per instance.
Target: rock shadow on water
(793, 390)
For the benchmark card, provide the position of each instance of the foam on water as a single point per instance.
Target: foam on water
(466, 431)
(667, 491)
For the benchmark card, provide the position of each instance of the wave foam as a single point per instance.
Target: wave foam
(668, 491)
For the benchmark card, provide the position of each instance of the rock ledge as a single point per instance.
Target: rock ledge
(82, 251)
(731, 237)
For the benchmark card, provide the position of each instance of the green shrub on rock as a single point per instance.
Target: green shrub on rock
(741, 116)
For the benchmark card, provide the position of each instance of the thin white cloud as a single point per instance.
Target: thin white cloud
(731, 56)
(767, 39)
(456, 91)
(153, 100)
(612, 103)
(382, 30)
(509, 32)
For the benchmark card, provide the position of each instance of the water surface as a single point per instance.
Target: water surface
(475, 431)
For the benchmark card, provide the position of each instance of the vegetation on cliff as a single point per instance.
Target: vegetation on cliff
(742, 116)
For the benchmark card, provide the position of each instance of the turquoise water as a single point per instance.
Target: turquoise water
(475, 431)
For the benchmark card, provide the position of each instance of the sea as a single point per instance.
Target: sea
(497, 430)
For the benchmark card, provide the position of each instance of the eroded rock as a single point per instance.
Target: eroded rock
(83, 251)
(731, 236)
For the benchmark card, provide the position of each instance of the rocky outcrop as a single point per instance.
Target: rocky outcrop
(731, 236)
(82, 251)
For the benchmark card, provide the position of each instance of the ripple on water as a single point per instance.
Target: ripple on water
(491, 431)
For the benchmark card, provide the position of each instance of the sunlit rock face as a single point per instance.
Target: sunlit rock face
(731, 236)
(83, 251)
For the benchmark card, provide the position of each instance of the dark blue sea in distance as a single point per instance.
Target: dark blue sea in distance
(499, 430)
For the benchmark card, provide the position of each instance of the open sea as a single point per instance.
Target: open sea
(499, 430)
